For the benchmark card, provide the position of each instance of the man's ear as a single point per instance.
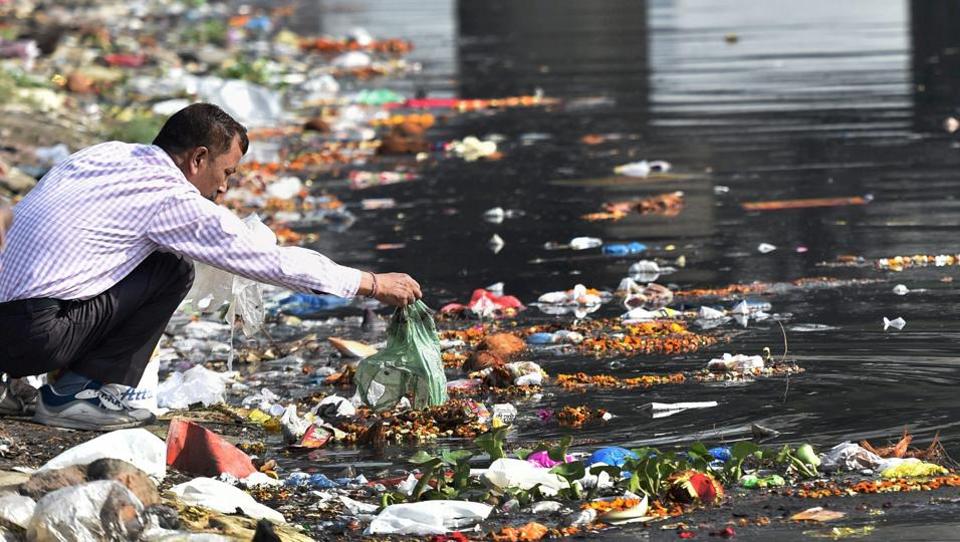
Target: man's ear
(197, 158)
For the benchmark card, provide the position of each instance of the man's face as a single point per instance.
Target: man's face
(210, 173)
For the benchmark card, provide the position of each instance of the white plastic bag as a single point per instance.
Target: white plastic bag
(428, 517)
(223, 498)
(139, 447)
(92, 511)
(197, 385)
(213, 287)
(507, 473)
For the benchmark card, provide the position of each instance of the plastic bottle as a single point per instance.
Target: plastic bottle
(623, 249)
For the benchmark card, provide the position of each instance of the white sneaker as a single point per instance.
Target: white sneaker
(94, 408)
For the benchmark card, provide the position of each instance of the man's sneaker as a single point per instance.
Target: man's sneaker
(16, 398)
(94, 408)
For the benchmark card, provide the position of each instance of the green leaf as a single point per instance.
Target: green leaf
(421, 457)
(634, 484)
(453, 458)
(614, 472)
(699, 449)
(570, 472)
(559, 452)
(492, 442)
(743, 449)
(428, 472)
(523, 453)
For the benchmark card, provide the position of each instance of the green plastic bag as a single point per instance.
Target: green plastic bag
(410, 364)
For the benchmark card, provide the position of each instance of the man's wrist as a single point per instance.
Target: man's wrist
(368, 284)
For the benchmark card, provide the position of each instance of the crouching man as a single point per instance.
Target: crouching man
(100, 255)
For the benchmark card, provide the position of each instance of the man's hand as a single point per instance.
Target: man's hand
(6, 219)
(396, 289)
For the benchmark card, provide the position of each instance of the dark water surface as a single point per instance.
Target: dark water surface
(814, 99)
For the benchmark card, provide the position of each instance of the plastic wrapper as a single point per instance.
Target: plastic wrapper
(428, 517)
(139, 447)
(410, 364)
(102, 510)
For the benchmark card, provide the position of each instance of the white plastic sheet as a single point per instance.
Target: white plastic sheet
(507, 473)
(139, 447)
(197, 385)
(738, 363)
(850, 456)
(250, 104)
(17, 509)
(224, 498)
(213, 287)
(428, 517)
(91, 511)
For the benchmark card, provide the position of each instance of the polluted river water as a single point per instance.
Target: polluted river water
(756, 101)
(808, 143)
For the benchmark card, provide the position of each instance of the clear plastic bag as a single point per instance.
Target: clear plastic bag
(410, 364)
(103, 510)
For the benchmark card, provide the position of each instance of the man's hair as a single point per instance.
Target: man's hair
(200, 124)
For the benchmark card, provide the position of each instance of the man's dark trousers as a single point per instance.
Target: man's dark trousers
(108, 338)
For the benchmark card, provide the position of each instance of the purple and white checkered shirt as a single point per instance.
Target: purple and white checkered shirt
(98, 214)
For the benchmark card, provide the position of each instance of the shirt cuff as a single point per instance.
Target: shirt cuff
(349, 281)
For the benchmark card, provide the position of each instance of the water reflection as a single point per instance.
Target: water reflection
(934, 26)
(565, 47)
